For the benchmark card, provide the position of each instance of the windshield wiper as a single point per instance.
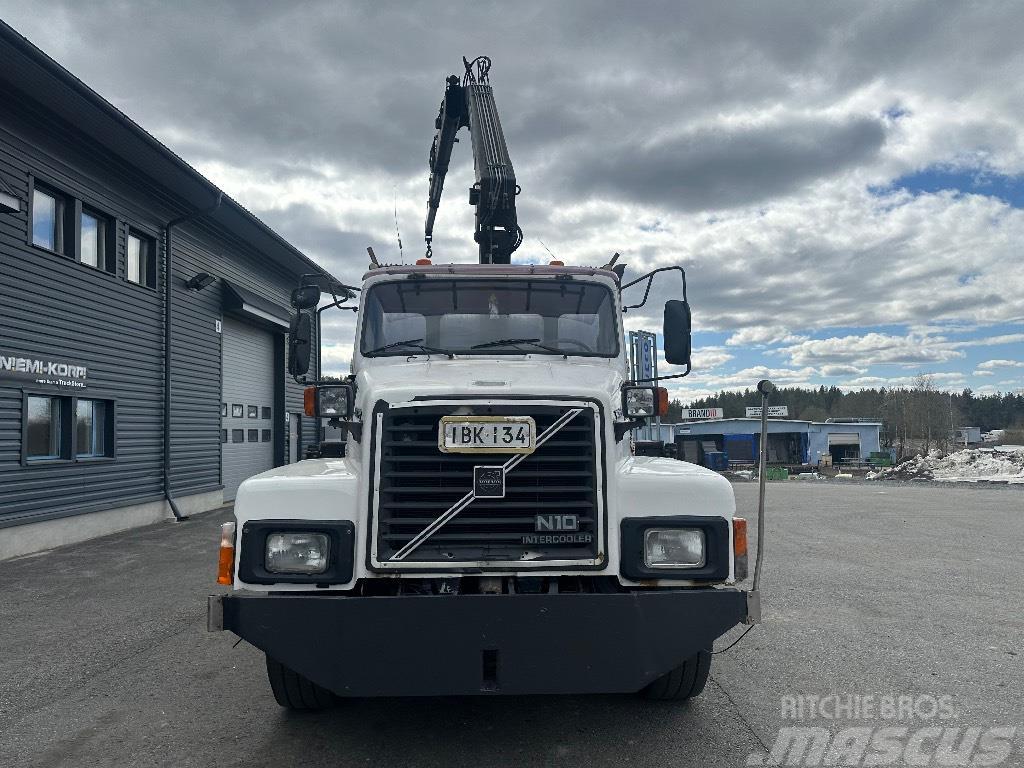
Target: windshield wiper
(411, 343)
(515, 342)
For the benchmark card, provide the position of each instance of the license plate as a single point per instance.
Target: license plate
(487, 434)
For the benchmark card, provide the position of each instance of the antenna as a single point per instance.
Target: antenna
(398, 234)
(555, 258)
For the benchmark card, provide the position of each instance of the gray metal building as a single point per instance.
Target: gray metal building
(89, 206)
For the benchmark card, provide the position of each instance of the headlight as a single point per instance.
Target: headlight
(334, 402)
(674, 548)
(297, 552)
(638, 402)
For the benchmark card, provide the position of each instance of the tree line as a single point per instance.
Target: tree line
(913, 418)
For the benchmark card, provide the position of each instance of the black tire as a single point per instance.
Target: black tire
(682, 683)
(293, 691)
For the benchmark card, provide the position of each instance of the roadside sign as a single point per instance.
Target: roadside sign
(643, 368)
(704, 413)
(774, 411)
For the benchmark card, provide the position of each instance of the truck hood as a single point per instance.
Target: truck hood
(399, 380)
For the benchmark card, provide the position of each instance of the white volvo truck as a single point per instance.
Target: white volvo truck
(487, 529)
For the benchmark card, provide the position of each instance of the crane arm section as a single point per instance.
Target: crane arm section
(470, 103)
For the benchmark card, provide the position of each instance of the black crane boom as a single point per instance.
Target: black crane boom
(470, 103)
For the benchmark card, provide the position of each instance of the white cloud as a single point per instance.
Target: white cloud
(871, 349)
(762, 335)
(336, 358)
(840, 370)
(703, 359)
(990, 365)
(945, 380)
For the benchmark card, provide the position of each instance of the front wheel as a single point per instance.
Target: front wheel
(295, 692)
(682, 683)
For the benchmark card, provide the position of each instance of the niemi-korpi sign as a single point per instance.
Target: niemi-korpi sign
(44, 372)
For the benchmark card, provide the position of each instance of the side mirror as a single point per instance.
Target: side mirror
(306, 297)
(676, 332)
(299, 337)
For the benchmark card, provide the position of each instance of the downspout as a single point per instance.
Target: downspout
(168, 251)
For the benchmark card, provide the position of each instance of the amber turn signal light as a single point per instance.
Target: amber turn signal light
(309, 401)
(739, 536)
(226, 558)
(739, 548)
(661, 401)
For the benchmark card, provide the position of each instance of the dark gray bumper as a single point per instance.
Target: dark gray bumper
(473, 644)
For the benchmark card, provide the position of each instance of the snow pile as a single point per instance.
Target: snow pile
(970, 464)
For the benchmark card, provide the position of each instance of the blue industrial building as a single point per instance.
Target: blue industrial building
(719, 443)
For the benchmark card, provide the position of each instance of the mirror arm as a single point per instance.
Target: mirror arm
(649, 277)
(662, 378)
(623, 427)
(315, 278)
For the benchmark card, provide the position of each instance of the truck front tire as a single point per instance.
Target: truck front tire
(295, 692)
(682, 683)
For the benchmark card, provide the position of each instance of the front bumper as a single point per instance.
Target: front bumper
(471, 644)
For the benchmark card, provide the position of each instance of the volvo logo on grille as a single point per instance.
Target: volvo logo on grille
(489, 482)
(544, 523)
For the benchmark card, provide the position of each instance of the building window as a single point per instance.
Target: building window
(141, 267)
(265, 435)
(254, 435)
(43, 433)
(266, 412)
(254, 412)
(223, 435)
(237, 435)
(97, 246)
(91, 429)
(49, 212)
(67, 428)
(237, 411)
(223, 409)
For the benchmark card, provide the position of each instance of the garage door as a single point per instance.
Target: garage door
(844, 438)
(247, 413)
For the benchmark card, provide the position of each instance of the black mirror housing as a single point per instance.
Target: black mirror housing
(300, 335)
(306, 297)
(676, 332)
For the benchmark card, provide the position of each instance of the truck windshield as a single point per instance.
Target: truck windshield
(489, 317)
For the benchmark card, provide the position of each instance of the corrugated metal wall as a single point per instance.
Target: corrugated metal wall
(51, 306)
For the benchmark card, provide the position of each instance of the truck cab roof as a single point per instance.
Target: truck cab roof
(509, 270)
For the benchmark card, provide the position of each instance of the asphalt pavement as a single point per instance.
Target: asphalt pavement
(869, 591)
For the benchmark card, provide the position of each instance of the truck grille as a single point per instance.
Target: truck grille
(418, 483)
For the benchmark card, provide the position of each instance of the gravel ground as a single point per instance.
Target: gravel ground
(869, 590)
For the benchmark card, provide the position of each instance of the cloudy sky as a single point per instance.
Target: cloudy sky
(842, 181)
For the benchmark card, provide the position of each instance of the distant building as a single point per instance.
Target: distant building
(790, 441)
(967, 436)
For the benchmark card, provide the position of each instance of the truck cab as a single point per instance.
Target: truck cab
(489, 529)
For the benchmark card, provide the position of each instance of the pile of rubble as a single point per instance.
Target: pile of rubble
(968, 465)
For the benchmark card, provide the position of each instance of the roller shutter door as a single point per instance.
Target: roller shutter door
(844, 438)
(247, 439)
